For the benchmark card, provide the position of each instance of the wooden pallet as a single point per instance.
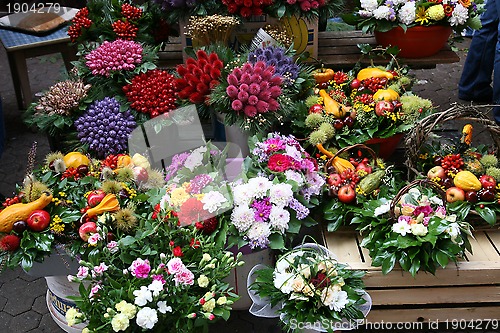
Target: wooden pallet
(469, 290)
(336, 49)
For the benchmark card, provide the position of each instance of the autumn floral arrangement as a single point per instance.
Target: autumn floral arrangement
(63, 203)
(354, 107)
(413, 229)
(258, 90)
(308, 286)
(281, 185)
(469, 174)
(381, 15)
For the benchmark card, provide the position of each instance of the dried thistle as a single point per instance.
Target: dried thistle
(281, 35)
(111, 186)
(31, 159)
(210, 29)
(62, 98)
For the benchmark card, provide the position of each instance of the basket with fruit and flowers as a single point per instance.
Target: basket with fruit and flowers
(469, 174)
(361, 106)
(351, 181)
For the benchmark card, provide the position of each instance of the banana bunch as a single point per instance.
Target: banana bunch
(296, 27)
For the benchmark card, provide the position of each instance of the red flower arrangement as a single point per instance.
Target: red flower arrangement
(131, 12)
(246, 8)
(125, 29)
(198, 77)
(279, 163)
(152, 92)
(254, 89)
(191, 211)
(81, 20)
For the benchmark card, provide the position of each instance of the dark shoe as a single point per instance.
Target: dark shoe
(479, 99)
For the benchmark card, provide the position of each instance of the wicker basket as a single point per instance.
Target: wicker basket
(359, 146)
(417, 136)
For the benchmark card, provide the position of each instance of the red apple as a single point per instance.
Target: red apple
(141, 174)
(38, 220)
(382, 107)
(334, 179)
(86, 230)
(436, 172)
(346, 194)
(486, 194)
(95, 197)
(487, 181)
(355, 84)
(455, 194)
(365, 167)
(471, 196)
(316, 108)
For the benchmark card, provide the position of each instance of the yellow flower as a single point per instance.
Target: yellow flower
(209, 305)
(222, 300)
(126, 308)
(435, 13)
(203, 281)
(178, 196)
(140, 160)
(57, 225)
(420, 16)
(72, 316)
(120, 322)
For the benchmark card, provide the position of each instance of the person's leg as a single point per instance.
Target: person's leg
(496, 70)
(475, 82)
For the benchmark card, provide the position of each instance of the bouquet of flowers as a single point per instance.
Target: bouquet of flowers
(309, 9)
(414, 229)
(67, 199)
(353, 108)
(282, 184)
(309, 287)
(258, 90)
(382, 15)
(142, 284)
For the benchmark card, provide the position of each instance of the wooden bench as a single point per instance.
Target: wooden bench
(468, 291)
(336, 49)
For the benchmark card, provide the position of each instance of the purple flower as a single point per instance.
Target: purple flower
(301, 210)
(427, 210)
(275, 56)
(199, 182)
(177, 163)
(262, 209)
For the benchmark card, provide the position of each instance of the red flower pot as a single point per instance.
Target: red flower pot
(385, 147)
(417, 42)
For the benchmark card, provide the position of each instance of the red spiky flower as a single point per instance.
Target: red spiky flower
(10, 243)
(246, 8)
(125, 29)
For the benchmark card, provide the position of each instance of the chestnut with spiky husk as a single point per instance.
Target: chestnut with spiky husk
(494, 172)
(62, 98)
(52, 157)
(489, 161)
(125, 174)
(111, 186)
(34, 189)
(107, 173)
(59, 165)
(125, 220)
(156, 179)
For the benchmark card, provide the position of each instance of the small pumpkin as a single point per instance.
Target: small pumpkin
(123, 161)
(74, 159)
(332, 107)
(467, 181)
(467, 134)
(386, 95)
(370, 72)
(21, 211)
(108, 204)
(323, 75)
(341, 164)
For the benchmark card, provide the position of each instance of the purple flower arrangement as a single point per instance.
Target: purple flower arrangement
(114, 56)
(284, 65)
(254, 88)
(104, 128)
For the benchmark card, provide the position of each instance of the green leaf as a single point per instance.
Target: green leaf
(276, 241)
(388, 263)
(415, 266)
(127, 241)
(487, 214)
(442, 258)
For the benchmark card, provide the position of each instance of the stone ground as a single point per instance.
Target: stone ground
(22, 297)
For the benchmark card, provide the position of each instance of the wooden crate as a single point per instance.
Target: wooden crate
(469, 290)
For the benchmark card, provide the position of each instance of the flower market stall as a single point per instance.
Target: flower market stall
(317, 223)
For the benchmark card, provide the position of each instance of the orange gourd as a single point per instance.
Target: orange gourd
(332, 107)
(108, 204)
(21, 211)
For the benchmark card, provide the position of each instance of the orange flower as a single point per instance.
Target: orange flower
(465, 3)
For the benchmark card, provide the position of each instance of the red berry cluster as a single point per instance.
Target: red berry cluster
(246, 8)
(364, 98)
(198, 77)
(340, 77)
(350, 176)
(374, 83)
(152, 92)
(11, 201)
(81, 20)
(452, 162)
(131, 12)
(125, 29)
(111, 161)
(71, 173)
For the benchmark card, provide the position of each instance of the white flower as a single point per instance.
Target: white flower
(242, 217)
(406, 13)
(384, 13)
(146, 318)
(212, 201)
(279, 218)
(281, 194)
(99, 270)
(195, 159)
(436, 200)
(419, 229)
(414, 192)
(259, 231)
(451, 218)
(83, 272)
(293, 152)
(165, 201)
(120, 322)
(113, 247)
(459, 15)
(260, 185)
(156, 287)
(283, 282)
(369, 5)
(335, 299)
(401, 227)
(295, 176)
(453, 230)
(382, 209)
(243, 194)
(282, 265)
(142, 296)
(163, 308)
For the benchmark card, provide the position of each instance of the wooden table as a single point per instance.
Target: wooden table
(468, 291)
(20, 46)
(336, 49)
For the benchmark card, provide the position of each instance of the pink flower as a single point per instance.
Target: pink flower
(112, 247)
(211, 316)
(94, 238)
(279, 163)
(83, 272)
(94, 290)
(185, 277)
(114, 56)
(140, 268)
(175, 266)
(427, 210)
(159, 277)
(99, 270)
